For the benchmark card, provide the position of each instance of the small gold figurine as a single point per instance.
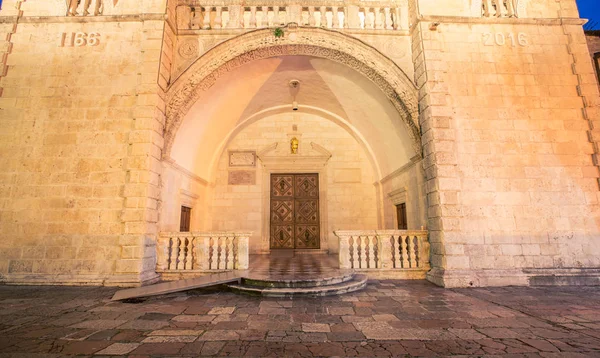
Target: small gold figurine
(294, 145)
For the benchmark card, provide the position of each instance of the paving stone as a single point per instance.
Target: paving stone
(408, 318)
(541, 345)
(157, 349)
(99, 324)
(176, 332)
(193, 318)
(84, 347)
(340, 311)
(118, 349)
(498, 333)
(221, 335)
(315, 327)
(170, 339)
(468, 334)
(221, 310)
(144, 325)
(346, 336)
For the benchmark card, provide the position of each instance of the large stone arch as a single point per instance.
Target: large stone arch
(260, 44)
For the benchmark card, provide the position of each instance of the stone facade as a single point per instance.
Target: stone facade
(481, 116)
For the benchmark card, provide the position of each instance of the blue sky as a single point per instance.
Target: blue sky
(590, 9)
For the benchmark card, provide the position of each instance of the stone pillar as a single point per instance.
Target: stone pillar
(243, 242)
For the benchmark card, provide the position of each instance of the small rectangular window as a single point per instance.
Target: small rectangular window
(402, 220)
(184, 223)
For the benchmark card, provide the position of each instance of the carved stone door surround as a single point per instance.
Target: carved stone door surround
(297, 164)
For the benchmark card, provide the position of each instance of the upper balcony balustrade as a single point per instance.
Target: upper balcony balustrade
(257, 14)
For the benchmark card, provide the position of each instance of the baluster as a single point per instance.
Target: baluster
(403, 251)
(369, 23)
(264, 16)
(99, 8)
(181, 251)
(397, 18)
(311, 16)
(396, 257)
(377, 18)
(276, 20)
(206, 18)
(361, 252)
(510, 8)
(190, 254)
(500, 8)
(218, 17)
(376, 251)
(214, 254)
(409, 251)
(172, 253)
(335, 18)
(229, 264)
(235, 252)
(222, 252)
(388, 19)
(252, 16)
(416, 247)
(322, 16)
(356, 252)
(85, 8)
(372, 258)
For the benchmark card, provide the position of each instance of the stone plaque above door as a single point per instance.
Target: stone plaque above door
(242, 177)
(242, 158)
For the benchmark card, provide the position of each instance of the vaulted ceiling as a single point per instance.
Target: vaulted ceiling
(264, 84)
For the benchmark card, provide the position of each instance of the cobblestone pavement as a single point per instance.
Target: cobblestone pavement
(388, 318)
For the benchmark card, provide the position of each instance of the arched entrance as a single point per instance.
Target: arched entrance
(230, 123)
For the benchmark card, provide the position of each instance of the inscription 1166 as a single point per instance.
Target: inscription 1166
(79, 39)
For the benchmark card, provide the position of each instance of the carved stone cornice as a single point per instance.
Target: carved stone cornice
(261, 44)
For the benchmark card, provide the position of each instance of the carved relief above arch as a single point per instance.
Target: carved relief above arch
(261, 44)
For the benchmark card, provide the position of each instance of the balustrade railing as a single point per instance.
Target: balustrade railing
(384, 249)
(85, 7)
(202, 251)
(499, 8)
(362, 16)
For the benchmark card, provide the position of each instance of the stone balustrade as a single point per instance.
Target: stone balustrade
(202, 251)
(334, 15)
(85, 7)
(384, 250)
(499, 8)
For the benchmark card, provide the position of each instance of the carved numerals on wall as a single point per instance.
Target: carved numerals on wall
(505, 39)
(79, 39)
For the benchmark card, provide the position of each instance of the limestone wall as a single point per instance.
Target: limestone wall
(80, 139)
(350, 194)
(512, 184)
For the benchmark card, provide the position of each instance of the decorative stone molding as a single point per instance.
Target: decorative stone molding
(398, 196)
(261, 44)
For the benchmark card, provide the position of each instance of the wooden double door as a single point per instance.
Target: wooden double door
(295, 211)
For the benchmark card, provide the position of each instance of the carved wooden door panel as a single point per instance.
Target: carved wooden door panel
(295, 211)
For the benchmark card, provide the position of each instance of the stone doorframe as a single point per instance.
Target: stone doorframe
(293, 164)
(260, 44)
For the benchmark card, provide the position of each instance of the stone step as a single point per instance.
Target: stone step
(302, 282)
(357, 282)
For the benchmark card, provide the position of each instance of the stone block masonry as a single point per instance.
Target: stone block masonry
(81, 118)
(509, 155)
(505, 149)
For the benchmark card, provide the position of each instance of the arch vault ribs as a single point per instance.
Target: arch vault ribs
(261, 44)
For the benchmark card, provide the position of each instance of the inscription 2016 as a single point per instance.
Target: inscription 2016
(502, 39)
(79, 39)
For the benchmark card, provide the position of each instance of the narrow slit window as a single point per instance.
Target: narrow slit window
(184, 223)
(401, 213)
